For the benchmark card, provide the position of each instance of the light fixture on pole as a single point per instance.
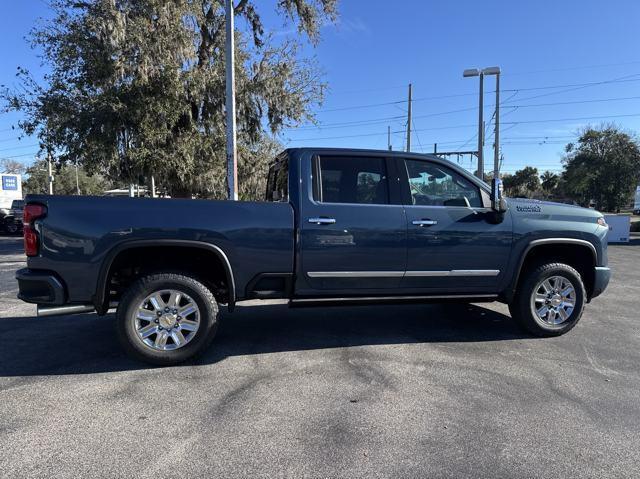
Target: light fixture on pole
(476, 72)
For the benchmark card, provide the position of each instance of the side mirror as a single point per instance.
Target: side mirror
(497, 201)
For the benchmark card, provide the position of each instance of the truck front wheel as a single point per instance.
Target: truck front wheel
(550, 299)
(165, 319)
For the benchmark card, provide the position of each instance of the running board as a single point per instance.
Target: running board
(43, 311)
(350, 301)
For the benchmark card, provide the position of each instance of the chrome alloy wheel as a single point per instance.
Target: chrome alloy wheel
(553, 300)
(167, 320)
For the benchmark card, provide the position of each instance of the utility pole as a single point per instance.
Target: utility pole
(232, 160)
(409, 121)
(50, 173)
(389, 138)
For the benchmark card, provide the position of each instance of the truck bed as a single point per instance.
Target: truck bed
(78, 233)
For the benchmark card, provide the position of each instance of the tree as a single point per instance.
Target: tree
(64, 180)
(12, 167)
(549, 182)
(137, 87)
(604, 167)
(523, 182)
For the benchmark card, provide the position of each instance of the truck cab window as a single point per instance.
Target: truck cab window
(352, 180)
(278, 182)
(432, 184)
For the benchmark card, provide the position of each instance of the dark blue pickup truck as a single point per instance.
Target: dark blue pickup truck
(338, 226)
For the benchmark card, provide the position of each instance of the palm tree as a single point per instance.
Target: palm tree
(549, 182)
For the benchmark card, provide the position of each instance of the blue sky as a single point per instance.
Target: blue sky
(587, 49)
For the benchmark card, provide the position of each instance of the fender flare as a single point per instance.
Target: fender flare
(100, 296)
(547, 241)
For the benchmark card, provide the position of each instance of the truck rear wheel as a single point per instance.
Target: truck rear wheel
(166, 318)
(550, 300)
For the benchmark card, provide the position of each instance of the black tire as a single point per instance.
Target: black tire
(147, 285)
(521, 308)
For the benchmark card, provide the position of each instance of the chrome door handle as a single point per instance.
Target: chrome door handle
(322, 221)
(424, 222)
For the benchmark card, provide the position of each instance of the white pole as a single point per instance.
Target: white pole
(50, 179)
(232, 160)
(77, 181)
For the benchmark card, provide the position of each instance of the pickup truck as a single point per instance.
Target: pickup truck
(337, 227)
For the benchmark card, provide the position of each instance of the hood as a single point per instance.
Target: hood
(551, 210)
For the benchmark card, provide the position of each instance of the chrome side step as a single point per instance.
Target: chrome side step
(69, 309)
(43, 311)
(350, 301)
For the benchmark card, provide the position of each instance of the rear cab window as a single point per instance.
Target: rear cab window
(353, 180)
(278, 182)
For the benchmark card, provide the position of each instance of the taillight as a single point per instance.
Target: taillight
(31, 213)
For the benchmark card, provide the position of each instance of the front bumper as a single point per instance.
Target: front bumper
(601, 280)
(40, 287)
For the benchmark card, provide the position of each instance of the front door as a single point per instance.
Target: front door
(452, 244)
(353, 228)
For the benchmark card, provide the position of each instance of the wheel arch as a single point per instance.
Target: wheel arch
(556, 249)
(100, 300)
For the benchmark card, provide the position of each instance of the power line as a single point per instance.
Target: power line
(375, 134)
(429, 115)
(572, 119)
(18, 156)
(584, 67)
(571, 86)
(15, 138)
(20, 147)
(578, 86)
(344, 124)
(576, 102)
(521, 122)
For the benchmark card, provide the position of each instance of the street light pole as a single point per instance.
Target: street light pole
(474, 72)
(480, 172)
(232, 160)
(496, 146)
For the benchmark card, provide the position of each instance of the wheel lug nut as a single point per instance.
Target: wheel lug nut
(156, 321)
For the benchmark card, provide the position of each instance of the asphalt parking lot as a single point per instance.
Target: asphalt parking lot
(406, 391)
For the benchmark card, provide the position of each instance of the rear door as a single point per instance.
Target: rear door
(352, 227)
(453, 246)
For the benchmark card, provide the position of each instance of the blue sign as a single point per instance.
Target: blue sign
(9, 183)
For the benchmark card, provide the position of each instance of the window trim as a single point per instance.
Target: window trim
(393, 198)
(405, 191)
